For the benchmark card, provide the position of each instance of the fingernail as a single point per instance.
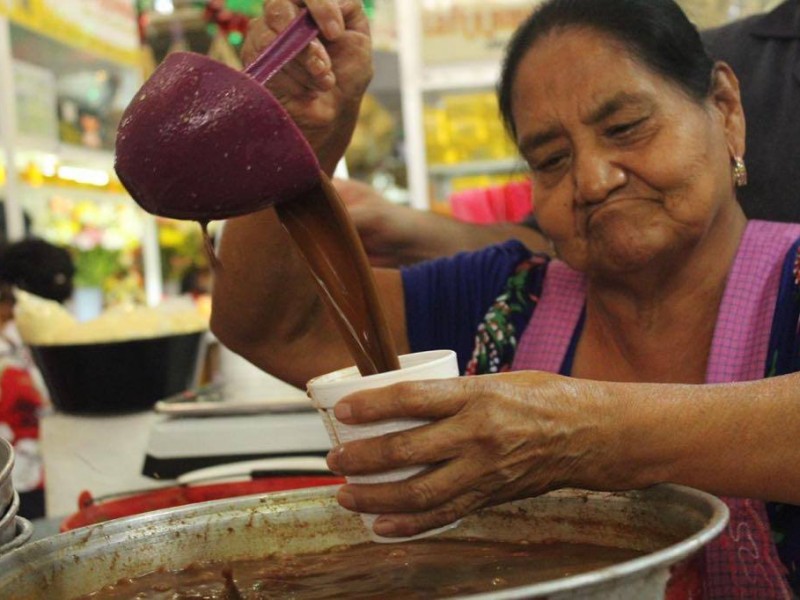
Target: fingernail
(346, 499)
(333, 459)
(329, 80)
(332, 29)
(316, 65)
(343, 411)
(384, 527)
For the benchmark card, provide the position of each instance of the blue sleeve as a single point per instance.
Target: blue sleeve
(447, 298)
(784, 345)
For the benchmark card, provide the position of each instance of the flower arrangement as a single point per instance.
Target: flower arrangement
(181, 244)
(104, 237)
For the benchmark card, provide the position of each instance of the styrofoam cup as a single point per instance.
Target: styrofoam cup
(326, 390)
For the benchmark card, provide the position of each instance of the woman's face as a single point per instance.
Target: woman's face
(626, 167)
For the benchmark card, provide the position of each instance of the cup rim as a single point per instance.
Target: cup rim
(345, 376)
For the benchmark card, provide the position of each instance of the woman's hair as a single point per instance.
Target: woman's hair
(656, 32)
(38, 267)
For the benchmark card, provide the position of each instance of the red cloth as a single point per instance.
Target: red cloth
(508, 203)
(21, 403)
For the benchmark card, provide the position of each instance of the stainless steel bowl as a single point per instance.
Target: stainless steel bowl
(6, 466)
(670, 523)
(23, 530)
(8, 522)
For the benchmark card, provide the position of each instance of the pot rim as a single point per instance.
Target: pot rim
(6, 453)
(715, 514)
(8, 518)
(666, 556)
(24, 530)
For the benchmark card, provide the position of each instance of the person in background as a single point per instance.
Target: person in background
(607, 369)
(764, 52)
(35, 266)
(45, 270)
(38, 267)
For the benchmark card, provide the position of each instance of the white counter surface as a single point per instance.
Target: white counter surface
(101, 454)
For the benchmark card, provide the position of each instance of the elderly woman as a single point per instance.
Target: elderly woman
(635, 142)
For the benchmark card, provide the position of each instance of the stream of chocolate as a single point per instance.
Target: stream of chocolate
(321, 229)
(326, 237)
(208, 246)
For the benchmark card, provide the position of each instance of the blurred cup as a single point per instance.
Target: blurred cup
(325, 391)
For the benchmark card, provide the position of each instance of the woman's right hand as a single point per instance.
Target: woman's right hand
(492, 439)
(322, 87)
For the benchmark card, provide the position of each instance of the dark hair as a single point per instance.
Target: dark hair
(656, 32)
(26, 222)
(38, 267)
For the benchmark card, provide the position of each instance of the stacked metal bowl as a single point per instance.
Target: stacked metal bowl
(14, 530)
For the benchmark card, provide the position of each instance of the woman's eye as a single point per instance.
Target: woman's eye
(623, 129)
(550, 163)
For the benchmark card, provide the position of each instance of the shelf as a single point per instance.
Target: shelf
(106, 31)
(75, 193)
(67, 153)
(461, 76)
(100, 159)
(487, 167)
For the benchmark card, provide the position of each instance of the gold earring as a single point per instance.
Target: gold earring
(739, 172)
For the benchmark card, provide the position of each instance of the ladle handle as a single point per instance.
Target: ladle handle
(284, 48)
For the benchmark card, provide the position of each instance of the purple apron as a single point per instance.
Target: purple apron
(743, 561)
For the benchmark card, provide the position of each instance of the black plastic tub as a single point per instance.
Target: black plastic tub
(117, 377)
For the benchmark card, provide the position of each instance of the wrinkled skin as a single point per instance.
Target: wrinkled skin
(633, 184)
(322, 87)
(493, 439)
(499, 437)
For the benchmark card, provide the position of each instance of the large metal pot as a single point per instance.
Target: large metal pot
(22, 532)
(6, 466)
(8, 521)
(670, 523)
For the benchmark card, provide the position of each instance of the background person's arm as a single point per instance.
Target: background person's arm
(396, 235)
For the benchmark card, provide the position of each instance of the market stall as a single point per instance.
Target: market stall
(134, 398)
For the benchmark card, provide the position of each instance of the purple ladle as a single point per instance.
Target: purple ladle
(202, 141)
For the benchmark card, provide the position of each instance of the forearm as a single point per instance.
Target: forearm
(734, 439)
(265, 305)
(331, 143)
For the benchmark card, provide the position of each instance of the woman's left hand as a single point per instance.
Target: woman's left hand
(492, 439)
(322, 87)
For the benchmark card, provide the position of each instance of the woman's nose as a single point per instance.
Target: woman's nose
(595, 175)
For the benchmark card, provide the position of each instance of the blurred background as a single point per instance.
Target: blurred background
(429, 130)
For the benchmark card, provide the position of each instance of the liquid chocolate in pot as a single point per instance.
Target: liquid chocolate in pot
(420, 569)
(324, 234)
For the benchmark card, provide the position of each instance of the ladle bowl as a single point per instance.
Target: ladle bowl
(203, 141)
